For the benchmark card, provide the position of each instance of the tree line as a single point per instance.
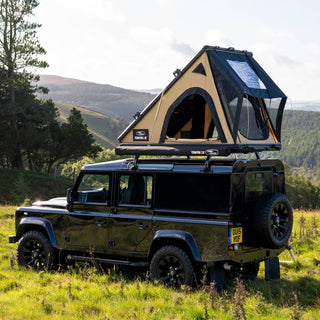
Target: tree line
(300, 138)
(30, 134)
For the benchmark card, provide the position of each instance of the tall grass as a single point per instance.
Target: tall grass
(86, 292)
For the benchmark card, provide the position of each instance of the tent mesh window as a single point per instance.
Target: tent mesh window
(249, 96)
(253, 123)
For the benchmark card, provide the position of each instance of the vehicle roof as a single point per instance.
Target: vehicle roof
(191, 165)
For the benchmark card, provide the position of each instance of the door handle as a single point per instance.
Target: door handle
(142, 226)
(99, 223)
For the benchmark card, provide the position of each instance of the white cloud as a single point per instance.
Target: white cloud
(139, 44)
(151, 37)
(183, 48)
(217, 38)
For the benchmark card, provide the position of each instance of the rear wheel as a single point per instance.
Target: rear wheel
(35, 251)
(172, 267)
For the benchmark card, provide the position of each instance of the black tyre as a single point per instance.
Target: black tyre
(272, 268)
(272, 220)
(250, 270)
(172, 267)
(35, 251)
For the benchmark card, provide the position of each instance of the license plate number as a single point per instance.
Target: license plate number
(235, 235)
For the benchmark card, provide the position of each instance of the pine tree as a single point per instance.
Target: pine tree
(77, 139)
(19, 52)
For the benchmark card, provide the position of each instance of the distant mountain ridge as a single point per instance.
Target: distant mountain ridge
(118, 102)
(51, 80)
(108, 110)
(102, 98)
(303, 105)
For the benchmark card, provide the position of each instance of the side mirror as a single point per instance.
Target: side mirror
(69, 198)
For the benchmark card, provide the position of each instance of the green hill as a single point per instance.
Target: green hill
(109, 105)
(102, 98)
(104, 129)
(16, 186)
(300, 137)
(301, 143)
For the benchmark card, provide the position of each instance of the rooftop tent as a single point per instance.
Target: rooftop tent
(221, 102)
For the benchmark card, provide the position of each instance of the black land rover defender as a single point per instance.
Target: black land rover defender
(172, 215)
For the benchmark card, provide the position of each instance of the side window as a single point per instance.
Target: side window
(258, 183)
(193, 192)
(135, 189)
(93, 188)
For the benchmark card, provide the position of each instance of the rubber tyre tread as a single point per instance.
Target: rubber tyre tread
(251, 269)
(272, 268)
(38, 236)
(262, 216)
(178, 253)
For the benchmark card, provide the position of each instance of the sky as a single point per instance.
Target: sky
(138, 44)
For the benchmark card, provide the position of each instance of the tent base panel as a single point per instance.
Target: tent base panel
(193, 150)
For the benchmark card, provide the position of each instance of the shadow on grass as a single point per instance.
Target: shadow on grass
(303, 290)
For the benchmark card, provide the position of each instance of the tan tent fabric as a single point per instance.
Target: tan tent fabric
(199, 109)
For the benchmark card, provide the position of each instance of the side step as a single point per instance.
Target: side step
(107, 261)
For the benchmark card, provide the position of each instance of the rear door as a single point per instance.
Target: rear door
(258, 181)
(131, 219)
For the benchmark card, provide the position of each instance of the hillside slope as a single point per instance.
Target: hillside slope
(104, 129)
(300, 129)
(300, 137)
(102, 98)
(301, 143)
(30, 185)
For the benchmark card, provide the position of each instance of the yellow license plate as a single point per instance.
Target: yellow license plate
(235, 235)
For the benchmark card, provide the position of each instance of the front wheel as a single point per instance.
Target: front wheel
(35, 251)
(172, 267)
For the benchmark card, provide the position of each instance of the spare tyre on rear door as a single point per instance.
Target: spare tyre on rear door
(272, 220)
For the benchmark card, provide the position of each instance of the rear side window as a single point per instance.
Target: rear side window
(190, 192)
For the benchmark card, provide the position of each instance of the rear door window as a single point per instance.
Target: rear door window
(257, 183)
(135, 189)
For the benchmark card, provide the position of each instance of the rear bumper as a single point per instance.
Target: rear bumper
(12, 239)
(255, 255)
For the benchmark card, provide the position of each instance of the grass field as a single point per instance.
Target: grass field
(86, 293)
